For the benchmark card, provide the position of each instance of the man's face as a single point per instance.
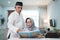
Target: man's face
(18, 8)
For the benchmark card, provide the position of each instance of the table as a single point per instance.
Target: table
(35, 39)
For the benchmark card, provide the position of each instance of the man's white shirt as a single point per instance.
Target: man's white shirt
(15, 22)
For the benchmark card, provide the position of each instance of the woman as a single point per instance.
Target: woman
(30, 26)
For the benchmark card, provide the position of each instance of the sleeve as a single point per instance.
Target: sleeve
(23, 22)
(38, 31)
(10, 23)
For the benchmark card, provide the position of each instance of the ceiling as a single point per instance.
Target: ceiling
(10, 3)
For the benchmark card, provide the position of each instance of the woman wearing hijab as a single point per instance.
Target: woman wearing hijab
(30, 26)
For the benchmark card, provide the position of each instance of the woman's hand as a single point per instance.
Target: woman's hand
(40, 36)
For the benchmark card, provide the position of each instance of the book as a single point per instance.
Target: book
(29, 34)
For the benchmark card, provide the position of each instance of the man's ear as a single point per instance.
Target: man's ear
(15, 6)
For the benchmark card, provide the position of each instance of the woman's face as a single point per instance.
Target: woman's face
(28, 23)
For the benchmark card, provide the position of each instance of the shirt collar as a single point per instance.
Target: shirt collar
(17, 12)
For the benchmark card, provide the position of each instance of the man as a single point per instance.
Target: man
(15, 21)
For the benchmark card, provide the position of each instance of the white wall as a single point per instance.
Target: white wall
(0, 9)
(1, 16)
(4, 13)
(54, 12)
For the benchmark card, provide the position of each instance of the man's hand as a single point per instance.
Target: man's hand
(18, 30)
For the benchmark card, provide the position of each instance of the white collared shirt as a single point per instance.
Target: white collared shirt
(15, 21)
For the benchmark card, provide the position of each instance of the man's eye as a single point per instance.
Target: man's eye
(18, 7)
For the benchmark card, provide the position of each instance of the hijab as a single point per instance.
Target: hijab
(32, 27)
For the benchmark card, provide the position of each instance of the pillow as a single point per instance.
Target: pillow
(29, 34)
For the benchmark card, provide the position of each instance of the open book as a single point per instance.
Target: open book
(29, 34)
